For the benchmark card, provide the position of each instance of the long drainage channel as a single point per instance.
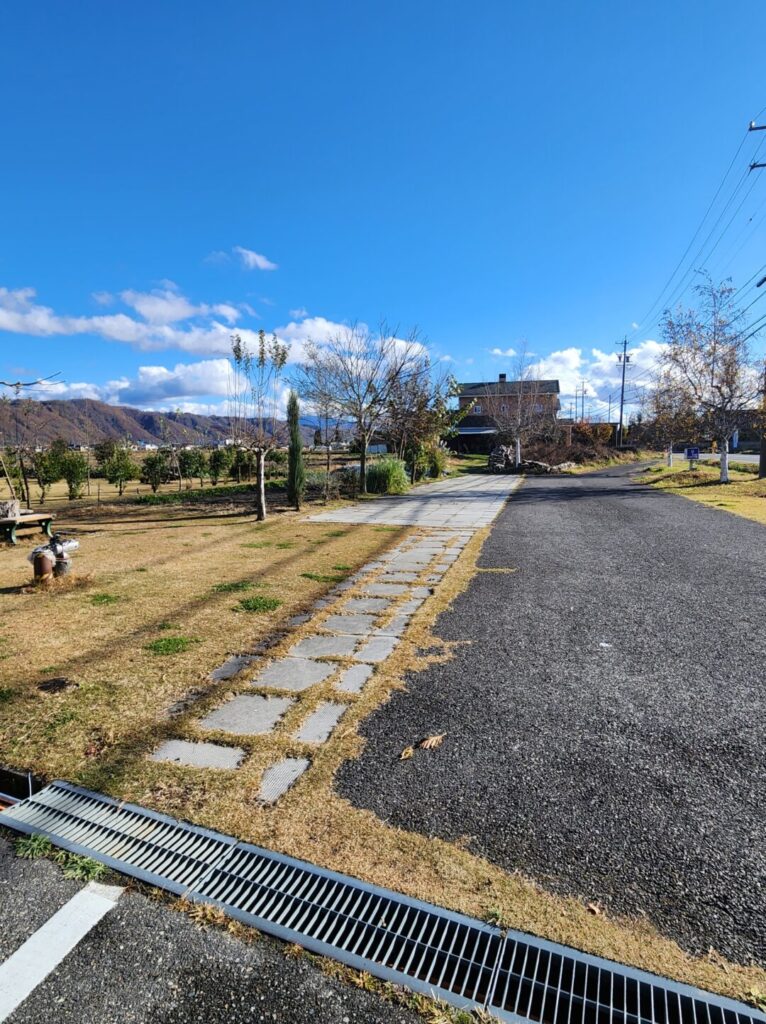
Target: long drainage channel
(469, 964)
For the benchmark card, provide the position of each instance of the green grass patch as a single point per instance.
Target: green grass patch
(285, 544)
(34, 846)
(323, 577)
(234, 587)
(336, 533)
(5, 694)
(342, 568)
(257, 544)
(258, 604)
(171, 645)
(83, 869)
(101, 599)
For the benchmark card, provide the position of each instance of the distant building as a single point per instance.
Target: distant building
(498, 402)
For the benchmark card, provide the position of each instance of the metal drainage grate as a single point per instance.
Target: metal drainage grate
(467, 963)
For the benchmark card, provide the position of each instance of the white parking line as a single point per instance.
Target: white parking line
(32, 962)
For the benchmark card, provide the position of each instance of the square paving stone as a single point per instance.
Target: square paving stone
(231, 667)
(247, 714)
(377, 649)
(278, 778)
(385, 589)
(321, 722)
(398, 577)
(354, 678)
(368, 605)
(395, 627)
(198, 755)
(408, 607)
(293, 674)
(420, 592)
(324, 647)
(359, 625)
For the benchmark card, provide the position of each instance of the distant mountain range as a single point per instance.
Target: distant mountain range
(86, 421)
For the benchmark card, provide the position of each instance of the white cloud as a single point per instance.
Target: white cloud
(102, 298)
(217, 256)
(299, 314)
(504, 352)
(162, 306)
(253, 260)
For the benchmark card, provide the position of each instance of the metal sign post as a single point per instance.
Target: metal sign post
(692, 455)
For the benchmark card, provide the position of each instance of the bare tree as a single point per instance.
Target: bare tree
(253, 403)
(357, 371)
(420, 413)
(708, 360)
(522, 412)
(313, 383)
(670, 413)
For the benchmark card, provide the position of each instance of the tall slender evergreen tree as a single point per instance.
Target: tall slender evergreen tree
(296, 470)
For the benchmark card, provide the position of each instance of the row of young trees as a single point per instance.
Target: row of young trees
(379, 384)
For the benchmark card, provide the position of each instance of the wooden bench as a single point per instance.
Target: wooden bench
(41, 520)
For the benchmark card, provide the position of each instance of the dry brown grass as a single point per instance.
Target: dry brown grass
(744, 496)
(98, 735)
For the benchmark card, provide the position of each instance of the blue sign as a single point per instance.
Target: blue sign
(692, 454)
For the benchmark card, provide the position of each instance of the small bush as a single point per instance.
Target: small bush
(258, 604)
(388, 476)
(171, 645)
(437, 460)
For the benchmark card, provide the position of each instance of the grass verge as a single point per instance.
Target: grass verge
(744, 496)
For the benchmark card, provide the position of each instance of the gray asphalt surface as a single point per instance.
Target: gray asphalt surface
(146, 963)
(605, 722)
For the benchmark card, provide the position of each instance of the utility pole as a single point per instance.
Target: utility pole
(582, 399)
(624, 358)
(762, 455)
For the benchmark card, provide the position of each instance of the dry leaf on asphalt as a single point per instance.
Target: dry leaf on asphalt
(406, 754)
(432, 742)
(595, 908)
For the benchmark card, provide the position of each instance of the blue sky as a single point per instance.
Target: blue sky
(504, 175)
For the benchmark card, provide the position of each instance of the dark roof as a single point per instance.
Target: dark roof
(509, 387)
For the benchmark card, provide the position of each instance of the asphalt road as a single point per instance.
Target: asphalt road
(605, 721)
(145, 963)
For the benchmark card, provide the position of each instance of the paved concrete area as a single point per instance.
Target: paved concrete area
(146, 963)
(604, 710)
(467, 502)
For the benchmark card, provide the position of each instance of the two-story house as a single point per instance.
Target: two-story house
(501, 404)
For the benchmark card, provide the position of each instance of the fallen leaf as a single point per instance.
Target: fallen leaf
(432, 742)
(406, 754)
(595, 908)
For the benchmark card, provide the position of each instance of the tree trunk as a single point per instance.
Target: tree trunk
(725, 461)
(25, 478)
(328, 466)
(260, 485)
(363, 466)
(517, 454)
(670, 454)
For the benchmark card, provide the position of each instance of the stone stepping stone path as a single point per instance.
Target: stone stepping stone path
(198, 755)
(356, 626)
(250, 715)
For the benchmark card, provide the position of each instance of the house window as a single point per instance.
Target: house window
(538, 407)
(477, 410)
(503, 408)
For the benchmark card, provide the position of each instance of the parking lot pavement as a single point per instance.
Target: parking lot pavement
(146, 963)
(604, 710)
